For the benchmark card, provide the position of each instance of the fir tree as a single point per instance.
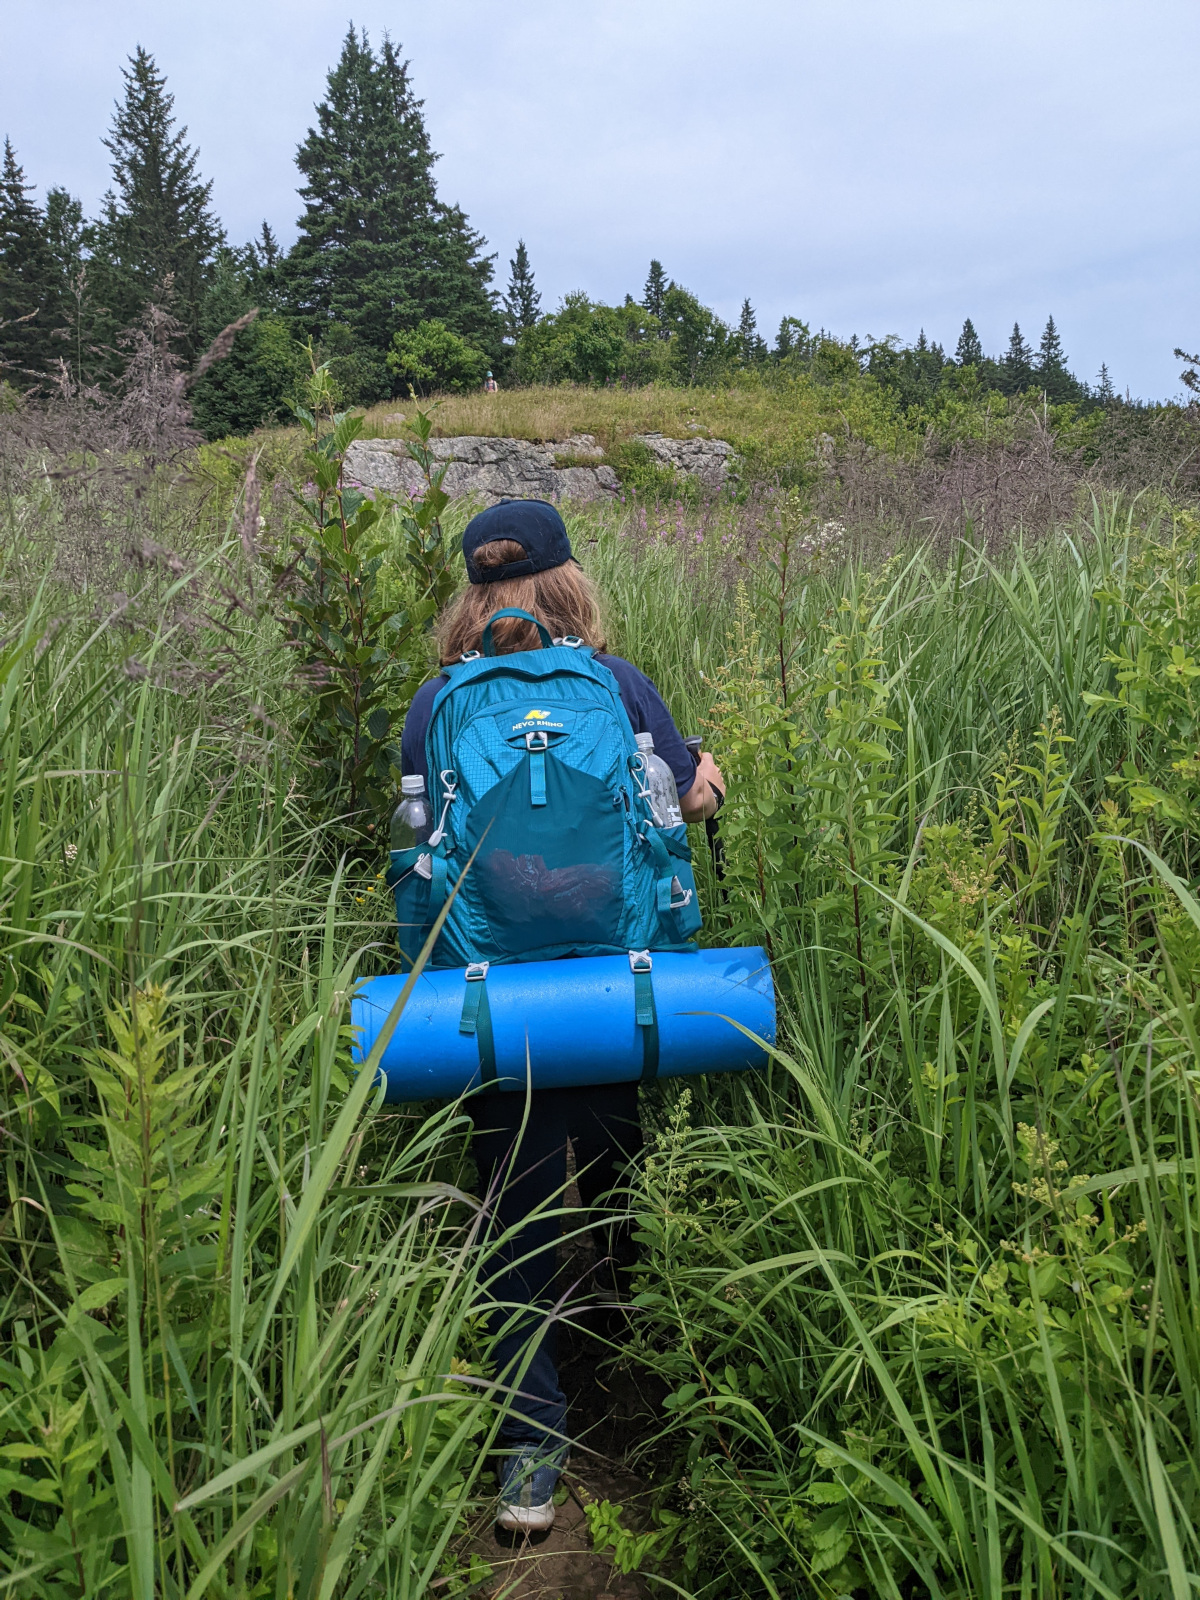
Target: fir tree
(266, 248)
(968, 352)
(1190, 375)
(656, 288)
(1104, 391)
(158, 234)
(522, 303)
(247, 386)
(1018, 362)
(66, 234)
(751, 343)
(263, 259)
(1051, 357)
(1051, 370)
(377, 250)
(29, 286)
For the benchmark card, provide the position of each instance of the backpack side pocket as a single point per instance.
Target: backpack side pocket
(675, 885)
(409, 875)
(685, 902)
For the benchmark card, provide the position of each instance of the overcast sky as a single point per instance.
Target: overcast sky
(873, 166)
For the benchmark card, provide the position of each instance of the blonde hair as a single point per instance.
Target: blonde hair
(564, 600)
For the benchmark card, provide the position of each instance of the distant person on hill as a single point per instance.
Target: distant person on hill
(490, 386)
(518, 554)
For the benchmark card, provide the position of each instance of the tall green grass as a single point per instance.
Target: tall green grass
(922, 1293)
(239, 1346)
(925, 1293)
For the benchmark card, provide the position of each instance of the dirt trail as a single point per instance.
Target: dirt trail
(611, 1409)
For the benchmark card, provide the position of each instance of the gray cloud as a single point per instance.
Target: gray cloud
(868, 166)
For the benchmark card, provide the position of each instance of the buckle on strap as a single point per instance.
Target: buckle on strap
(641, 964)
(476, 1019)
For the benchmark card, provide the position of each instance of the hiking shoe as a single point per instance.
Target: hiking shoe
(528, 1479)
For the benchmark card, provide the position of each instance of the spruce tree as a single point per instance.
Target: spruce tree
(1104, 391)
(522, 303)
(656, 288)
(1051, 371)
(66, 235)
(157, 234)
(247, 387)
(263, 261)
(1018, 362)
(1051, 357)
(968, 352)
(29, 289)
(378, 252)
(266, 248)
(751, 343)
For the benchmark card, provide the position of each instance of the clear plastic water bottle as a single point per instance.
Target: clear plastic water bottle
(412, 822)
(660, 780)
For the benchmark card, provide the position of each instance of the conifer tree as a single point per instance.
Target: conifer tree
(1051, 370)
(266, 248)
(522, 303)
(1104, 391)
(29, 297)
(158, 234)
(751, 343)
(968, 352)
(1051, 357)
(263, 260)
(656, 288)
(66, 234)
(378, 252)
(1018, 362)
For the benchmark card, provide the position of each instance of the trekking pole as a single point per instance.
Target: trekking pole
(711, 826)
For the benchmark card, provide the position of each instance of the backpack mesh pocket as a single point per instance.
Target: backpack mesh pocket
(549, 872)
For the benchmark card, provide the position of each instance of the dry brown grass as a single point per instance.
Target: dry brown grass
(557, 412)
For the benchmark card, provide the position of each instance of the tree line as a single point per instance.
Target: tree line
(386, 283)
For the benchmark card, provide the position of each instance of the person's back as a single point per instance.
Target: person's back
(518, 557)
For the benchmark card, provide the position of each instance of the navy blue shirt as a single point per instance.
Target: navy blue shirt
(643, 704)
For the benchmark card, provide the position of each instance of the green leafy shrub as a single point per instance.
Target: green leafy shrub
(357, 643)
(432, 356)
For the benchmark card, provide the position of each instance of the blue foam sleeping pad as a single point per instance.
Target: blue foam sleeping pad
(579, 1019)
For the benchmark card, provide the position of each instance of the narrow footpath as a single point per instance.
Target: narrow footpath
(612, 1408)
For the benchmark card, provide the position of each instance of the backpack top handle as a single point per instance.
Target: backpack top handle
(489, 649)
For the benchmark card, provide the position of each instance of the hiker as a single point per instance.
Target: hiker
(490, 386)
(518, 555)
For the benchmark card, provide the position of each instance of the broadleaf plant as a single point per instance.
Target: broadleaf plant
(358, 645)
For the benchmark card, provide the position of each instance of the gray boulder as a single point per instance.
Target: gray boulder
(706, 459)
(488, 469)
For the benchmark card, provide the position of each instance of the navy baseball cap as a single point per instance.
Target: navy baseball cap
(533, 524)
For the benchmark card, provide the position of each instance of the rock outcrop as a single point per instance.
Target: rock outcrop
(488, 469)
(706, 459)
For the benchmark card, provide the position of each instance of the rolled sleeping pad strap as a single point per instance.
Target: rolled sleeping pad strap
(641, 964)
(582, 1021)
(476, 1018)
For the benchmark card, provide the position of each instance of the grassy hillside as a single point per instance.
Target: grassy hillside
(777, 422)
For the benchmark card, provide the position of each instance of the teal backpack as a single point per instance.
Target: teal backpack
(542, 819)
